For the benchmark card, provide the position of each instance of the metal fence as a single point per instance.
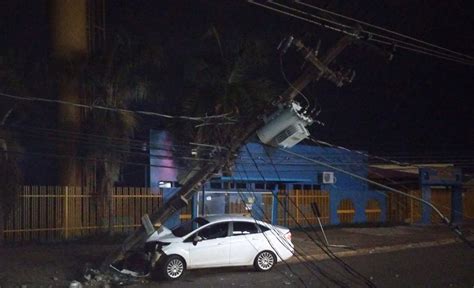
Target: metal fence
(49, 213)
(468, 204)
(55, 213)
(294, 207)
(404, 209)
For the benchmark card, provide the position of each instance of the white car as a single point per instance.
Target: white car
(219, 241)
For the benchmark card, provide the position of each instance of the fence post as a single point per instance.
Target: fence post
(275, 205)
(2, 225)
(297, 206)
(66, 213)
(111, 210)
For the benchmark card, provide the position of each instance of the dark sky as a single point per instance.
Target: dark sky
(412, 106)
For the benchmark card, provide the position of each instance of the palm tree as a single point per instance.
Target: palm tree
(226, 75)
(10, 81)
(117, 80)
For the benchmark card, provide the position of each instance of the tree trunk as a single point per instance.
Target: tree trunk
(105, 177)
(69, 49)
(103, 204)
(2, 225)
(110, 192)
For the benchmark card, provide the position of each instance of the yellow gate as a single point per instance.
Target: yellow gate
(441, 199)
(294, 208)
(403, 209)
(468, 205)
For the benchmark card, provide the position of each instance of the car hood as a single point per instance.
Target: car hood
(163, 234)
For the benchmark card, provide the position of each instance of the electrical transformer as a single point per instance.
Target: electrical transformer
(286, 127)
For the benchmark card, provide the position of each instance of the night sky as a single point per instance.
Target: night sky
(415, 106)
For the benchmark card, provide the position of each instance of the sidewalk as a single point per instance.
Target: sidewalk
(376, 240)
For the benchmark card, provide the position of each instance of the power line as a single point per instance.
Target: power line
(290, 84)
(120, 110)
(380, 174)
(134, 143)
(322, 244)
(381, 28)
(176, 147)
(182, 153)
(115, 148)
(444, 218)
(324, 274)
(364, 34)
(276, 251)
(370, 37)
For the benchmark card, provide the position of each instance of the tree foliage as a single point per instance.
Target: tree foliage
(226, 74)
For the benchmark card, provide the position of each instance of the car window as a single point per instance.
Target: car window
(218, 230)
(263, 228)
(188, 226)
(244, 228)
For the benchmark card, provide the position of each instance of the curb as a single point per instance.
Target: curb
(378, 249)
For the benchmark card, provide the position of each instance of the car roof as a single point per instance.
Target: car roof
(228, 217)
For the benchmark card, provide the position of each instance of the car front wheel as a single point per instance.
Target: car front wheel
(264, 261)
(173, 267)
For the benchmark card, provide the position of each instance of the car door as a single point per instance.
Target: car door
(245, 242)
(214, 248)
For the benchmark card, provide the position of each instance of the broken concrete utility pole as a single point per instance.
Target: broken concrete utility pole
(199, 175)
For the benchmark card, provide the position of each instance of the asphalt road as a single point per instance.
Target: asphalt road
(442, 266)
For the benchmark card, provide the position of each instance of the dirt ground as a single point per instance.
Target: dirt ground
(48, 265)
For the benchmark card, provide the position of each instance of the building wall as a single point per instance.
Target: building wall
(262, 164)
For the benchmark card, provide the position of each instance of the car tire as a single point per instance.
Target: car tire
(172, 267)
(264, 261)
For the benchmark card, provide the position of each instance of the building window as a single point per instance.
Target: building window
(373, 211)
(216, 185)
(346, 211)
(241, 185)
(165, 184)
(260, 186)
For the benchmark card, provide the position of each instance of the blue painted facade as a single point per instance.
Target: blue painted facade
(258, 164)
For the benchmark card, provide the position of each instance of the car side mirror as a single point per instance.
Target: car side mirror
(196, 239)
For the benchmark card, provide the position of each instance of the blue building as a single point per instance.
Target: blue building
(263, 173)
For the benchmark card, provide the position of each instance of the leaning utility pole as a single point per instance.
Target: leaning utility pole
(197, 177)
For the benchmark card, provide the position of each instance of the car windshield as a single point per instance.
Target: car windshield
(188, 226)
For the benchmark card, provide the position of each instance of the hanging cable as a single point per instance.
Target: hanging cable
(290, 84)
(379, 158)
(322, 272)
(121, 110)
(320, 244)
(381, 28)
(444, 218)
(276, 251)
(368, 35)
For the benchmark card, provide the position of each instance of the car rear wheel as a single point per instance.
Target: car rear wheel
(172, 268)
(264, 261)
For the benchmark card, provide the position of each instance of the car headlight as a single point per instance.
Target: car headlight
(155, 246)
(160, 245)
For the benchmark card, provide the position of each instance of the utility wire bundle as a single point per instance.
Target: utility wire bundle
(361, 30)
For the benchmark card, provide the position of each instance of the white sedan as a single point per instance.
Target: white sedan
(219, 241)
